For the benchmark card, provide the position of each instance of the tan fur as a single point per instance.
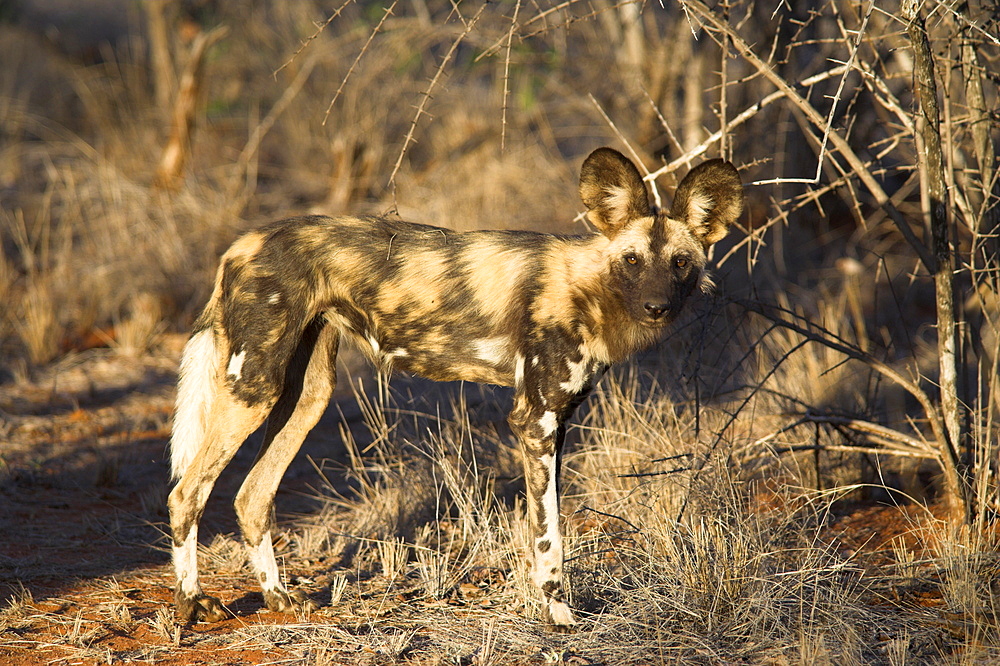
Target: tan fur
(496, 272)
(418, 282)
(246, 247)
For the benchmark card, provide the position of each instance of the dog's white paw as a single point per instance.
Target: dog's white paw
(561, 615)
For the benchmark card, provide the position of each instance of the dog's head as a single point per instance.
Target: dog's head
(654, 260)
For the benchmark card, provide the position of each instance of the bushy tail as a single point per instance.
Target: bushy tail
(195, 395)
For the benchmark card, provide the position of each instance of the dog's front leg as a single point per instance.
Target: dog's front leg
(539, 424)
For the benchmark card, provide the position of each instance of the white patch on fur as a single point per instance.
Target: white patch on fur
(264, 565)
(399, 351)
(577, 375)
(374, 343)
(518, 370)
(699, 207)
(235, 367)
(560, 614)
(548, 423)
(491, 350)
(195, 394)
(186, 564)
(618, 198)
(534, 362)
(274, 298)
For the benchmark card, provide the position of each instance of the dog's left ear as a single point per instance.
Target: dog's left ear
(709, 199)
(612, 190)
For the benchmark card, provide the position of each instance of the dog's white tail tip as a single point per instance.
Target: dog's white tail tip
(195, 394)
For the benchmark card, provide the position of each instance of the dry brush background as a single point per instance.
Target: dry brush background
(804, 472)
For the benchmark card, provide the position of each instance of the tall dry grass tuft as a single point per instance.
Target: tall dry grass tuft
(38, 325)
(669, 551)
(136, 333)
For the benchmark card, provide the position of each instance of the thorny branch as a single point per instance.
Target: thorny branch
(506, 75)
(364, 49)
(855, 163)
(319, 31)
(426, 96)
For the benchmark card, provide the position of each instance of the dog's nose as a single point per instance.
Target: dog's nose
(656, 310)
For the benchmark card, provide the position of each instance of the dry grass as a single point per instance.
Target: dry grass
(717, 489)
(667, 565)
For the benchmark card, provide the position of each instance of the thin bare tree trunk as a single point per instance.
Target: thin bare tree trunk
(178, 149)
(164, 78)
(931, 154)
(988, 225)
(694, 98)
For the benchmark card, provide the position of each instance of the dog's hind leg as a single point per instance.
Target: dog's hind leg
(228, 423)
(309, 383)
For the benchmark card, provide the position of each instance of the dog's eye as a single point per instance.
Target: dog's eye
(681, 262)
(631, 259)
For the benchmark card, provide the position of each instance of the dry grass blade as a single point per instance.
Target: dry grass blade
(137, 332)
(393, 555)
(38, 326)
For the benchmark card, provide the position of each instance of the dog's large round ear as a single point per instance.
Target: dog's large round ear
(709, 199)
(612, 190)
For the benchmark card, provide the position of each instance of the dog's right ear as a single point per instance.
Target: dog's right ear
(709, 200)
(612, 190)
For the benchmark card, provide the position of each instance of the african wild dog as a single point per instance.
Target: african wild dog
(542, 313)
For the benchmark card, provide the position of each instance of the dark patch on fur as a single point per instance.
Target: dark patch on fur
(191, 609)
(553, 589)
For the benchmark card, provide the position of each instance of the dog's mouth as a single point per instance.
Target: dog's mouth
(659, 322)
